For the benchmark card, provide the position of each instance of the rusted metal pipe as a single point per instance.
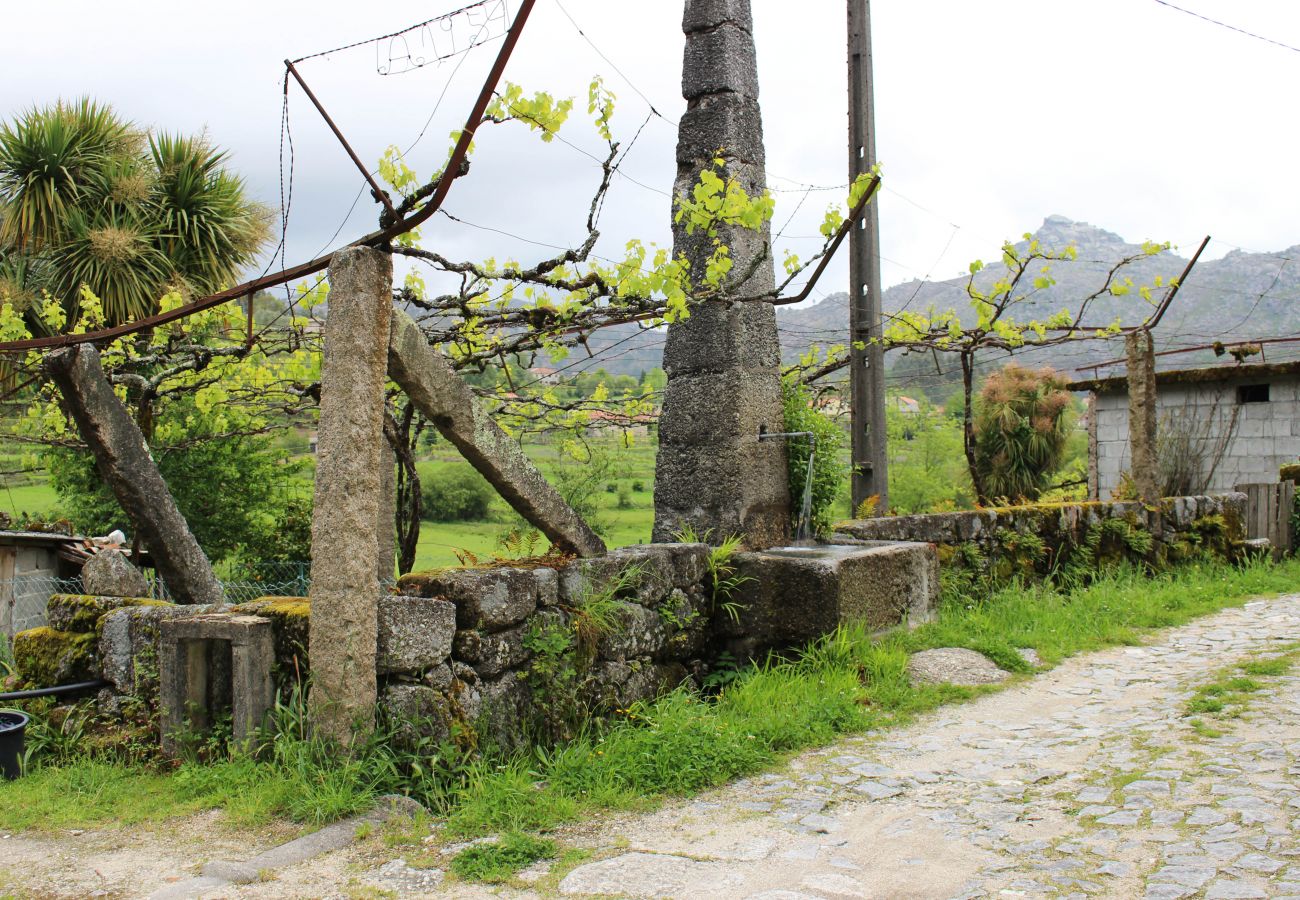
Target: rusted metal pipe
(365, 172)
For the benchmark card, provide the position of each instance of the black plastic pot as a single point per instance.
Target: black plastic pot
(13, 736)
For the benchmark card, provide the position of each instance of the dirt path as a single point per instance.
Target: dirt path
(1084, 781)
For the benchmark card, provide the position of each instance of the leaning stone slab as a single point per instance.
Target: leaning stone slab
(447, 401)
(109, 574)
(953, 665)
(123, 460)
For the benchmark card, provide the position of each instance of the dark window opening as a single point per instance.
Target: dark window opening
(1252, 393)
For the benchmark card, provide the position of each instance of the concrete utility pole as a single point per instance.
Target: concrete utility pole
(867, 365)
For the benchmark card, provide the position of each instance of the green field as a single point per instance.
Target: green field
(440, 541)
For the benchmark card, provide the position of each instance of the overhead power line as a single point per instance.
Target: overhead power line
(1258, 37)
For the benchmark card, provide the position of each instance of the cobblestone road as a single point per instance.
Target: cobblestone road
(1084, 781)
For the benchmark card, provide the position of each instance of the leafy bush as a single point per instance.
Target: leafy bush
(228, 487)
(455, 493)
(828, 471)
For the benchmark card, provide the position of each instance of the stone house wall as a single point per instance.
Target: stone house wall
(1257, 437)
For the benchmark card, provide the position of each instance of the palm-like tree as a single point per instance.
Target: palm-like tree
(88, 200)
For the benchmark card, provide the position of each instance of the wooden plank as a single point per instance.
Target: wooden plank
(8, 595)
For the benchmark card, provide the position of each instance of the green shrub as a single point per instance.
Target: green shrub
(455, 493)
(828, 471)
(1022, 425)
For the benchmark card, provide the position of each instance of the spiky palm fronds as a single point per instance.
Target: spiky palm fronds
(114, 253)
(47, 157)
(209, 230)
(88, 204)
(1022, 424)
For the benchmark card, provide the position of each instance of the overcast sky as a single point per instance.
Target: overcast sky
(990, 116)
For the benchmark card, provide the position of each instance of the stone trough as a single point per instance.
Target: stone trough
(792, 595)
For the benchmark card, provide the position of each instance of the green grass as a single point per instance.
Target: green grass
(1228, 694)
(677, 745)
(33, 499)
(497, 862)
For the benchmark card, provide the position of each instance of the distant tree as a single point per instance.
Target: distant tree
(1022, 423)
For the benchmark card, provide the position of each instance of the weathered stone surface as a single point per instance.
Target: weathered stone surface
(418, 710)
(128, 646)
(415, 633)
(712, 122)
(794, 595)
(291, 630)
(720, 60)
(491, 653)
(617, 685)
(208, 661)
(123, 461)
(649, 875)
(82, 612)
(700, 15)
(953, 665)
(490, 598)
(345, 541)
(1205, 523)
(47, 657)
(639, 632)
(506, 705)
(445, 398)
(1140, 353)
(649, 571)
(109, 574)
(722, 480)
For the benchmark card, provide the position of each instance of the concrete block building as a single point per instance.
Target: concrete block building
(1239, 423)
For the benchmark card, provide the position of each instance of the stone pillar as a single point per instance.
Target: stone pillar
(387, 521)
(124, 462)
(1145, 466)
(723, 363)
(345, 522)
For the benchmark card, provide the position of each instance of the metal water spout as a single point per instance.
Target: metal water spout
(803, 528)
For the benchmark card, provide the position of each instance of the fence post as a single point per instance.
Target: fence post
(1268, 514)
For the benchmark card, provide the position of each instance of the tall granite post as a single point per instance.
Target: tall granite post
(723, 363)
(1144, 463)
(345, 522)
(123, 460)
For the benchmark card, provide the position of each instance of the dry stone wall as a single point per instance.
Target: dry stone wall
(1043, 539)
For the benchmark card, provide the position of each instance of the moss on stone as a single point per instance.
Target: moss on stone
(291, 628)
(46, 657)
(83, 612)
(1290, 472)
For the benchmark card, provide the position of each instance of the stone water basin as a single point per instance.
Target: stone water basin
(797, 593)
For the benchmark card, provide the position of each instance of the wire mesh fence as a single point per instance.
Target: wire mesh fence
(27, 596)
